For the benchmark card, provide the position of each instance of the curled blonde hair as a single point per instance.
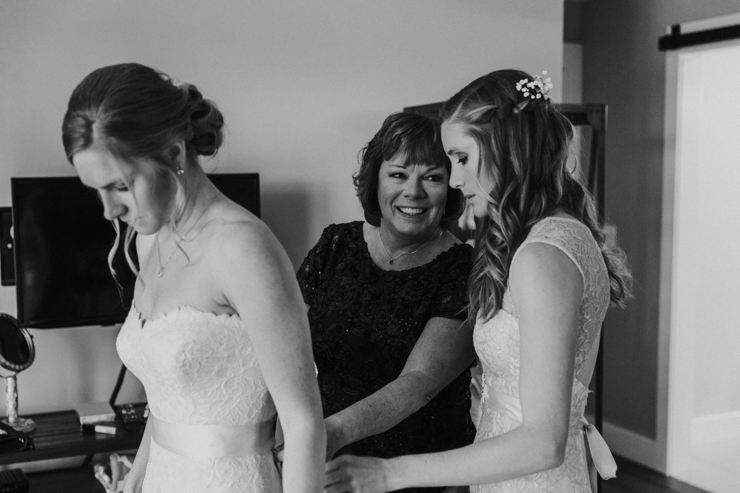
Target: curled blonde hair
(524, 148)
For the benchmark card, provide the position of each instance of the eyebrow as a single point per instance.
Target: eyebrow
(431, 167)
(107, 186)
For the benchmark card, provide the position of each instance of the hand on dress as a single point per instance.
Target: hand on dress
(348, 473)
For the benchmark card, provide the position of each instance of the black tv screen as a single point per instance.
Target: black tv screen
(62, 242)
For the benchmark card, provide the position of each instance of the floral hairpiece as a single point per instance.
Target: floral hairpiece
(537, 88)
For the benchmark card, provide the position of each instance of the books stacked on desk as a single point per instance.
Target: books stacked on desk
(97, 417)
(109, 428)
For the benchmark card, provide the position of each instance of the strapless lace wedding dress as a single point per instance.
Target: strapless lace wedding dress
(497, 345)
(211, 413)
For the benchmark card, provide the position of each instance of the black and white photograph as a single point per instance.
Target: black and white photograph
(339, 246)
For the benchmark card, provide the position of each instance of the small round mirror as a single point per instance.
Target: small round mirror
(16, 345)
(16, 354)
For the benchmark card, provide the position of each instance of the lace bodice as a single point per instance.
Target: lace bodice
(199, 368)
(497, 345)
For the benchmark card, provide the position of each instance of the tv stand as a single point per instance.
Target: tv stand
(58, 435)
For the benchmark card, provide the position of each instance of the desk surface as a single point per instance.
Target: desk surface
(74, 480)
(58, 435)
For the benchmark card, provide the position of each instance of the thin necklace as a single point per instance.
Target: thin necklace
(391, 258)
(160, 272)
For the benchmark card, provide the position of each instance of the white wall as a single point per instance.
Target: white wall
(573, 73)
(302, 85)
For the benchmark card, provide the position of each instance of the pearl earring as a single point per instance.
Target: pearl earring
(179, 171)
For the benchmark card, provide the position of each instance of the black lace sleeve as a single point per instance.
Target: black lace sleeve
(310, 272)
(451, 298)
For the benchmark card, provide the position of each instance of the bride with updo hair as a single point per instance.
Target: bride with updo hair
(216, 332)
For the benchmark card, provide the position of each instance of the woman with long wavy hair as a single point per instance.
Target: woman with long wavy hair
(541, 283)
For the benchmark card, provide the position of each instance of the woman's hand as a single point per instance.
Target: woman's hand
(348, 473)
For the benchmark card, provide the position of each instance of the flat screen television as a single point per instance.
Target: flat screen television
(62, 242)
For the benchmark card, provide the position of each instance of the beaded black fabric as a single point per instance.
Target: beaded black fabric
(364, 323)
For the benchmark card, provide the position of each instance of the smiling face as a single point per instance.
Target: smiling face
(464, 154)
(132, 192)
(412, 198)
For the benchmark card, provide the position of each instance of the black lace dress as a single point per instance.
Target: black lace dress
(364, 324)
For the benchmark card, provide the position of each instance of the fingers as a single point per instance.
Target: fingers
(350, 474)
(335, 476)
(345, 461)
(339, 477)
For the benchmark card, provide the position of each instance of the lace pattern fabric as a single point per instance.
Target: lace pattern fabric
(497, 345)
(199, 368)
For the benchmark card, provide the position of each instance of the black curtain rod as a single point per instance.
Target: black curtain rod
(676, 40)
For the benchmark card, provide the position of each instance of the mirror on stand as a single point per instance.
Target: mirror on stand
(16, 354)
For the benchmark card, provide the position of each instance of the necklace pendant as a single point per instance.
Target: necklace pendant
(160, 273)
(390, 261)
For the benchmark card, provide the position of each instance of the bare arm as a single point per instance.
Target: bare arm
(135, 477)
(442, 352)
(547, 289)
(259, 284)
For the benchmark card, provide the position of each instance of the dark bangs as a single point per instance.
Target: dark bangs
(419, 143)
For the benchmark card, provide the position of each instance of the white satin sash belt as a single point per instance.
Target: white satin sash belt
(600, 453)
(211, 441)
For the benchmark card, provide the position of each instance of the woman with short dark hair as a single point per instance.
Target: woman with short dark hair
(386, 300)
(417, 138)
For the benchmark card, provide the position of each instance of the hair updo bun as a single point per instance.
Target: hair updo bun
(206, 122)
(136, 111)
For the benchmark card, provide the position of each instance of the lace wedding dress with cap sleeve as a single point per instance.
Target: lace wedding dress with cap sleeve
(497, 345)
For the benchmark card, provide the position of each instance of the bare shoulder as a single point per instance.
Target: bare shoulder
(250, 270)
(239, 241)
(543, 264)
